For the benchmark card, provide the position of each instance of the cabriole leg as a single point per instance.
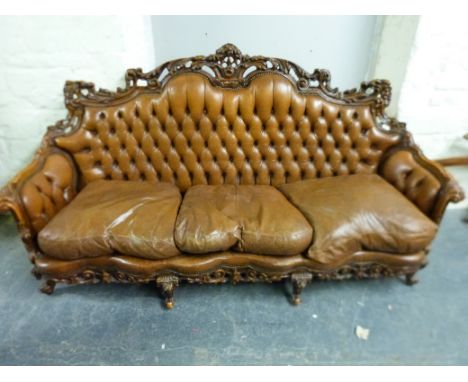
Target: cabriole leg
(299, 282)
(167, 284)
(48, 287)
(36, 273)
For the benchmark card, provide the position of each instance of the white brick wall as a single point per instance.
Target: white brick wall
(37, 56)
(434, 95)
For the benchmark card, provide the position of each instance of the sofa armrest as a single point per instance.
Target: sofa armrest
(426, 183)
(39, 191)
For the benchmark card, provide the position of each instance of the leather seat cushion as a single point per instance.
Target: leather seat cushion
(256, 219)
(112, 216)
(358, 213)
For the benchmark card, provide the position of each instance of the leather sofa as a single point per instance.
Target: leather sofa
(227, 168)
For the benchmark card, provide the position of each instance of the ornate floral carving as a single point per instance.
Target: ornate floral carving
(380, 91)
(75, 92)
(168, 281)
(229, 68)
(63, 126)
(233, 275)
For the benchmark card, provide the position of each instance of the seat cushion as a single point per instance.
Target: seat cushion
(255, 219)
(358, 213)
(112, 216)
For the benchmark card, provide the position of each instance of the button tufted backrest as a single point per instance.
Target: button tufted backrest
(193, 132)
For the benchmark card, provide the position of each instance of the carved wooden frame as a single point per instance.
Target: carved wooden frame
(167, 282)
(227, 68)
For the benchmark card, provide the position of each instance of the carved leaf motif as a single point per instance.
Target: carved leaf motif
(227, 68)
(235, 275)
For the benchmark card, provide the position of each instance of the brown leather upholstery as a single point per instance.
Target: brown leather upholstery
(47, 191)
(417, 183)
(211, 263)
(196, 133)
(359, 213)
(130, 218)
(256, 219)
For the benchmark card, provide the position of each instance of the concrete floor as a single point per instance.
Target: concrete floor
(243, 324)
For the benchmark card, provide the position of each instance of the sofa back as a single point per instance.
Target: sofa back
(193, 132)
(208, 121)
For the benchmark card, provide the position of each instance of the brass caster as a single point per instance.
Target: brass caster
(296, 300)
(299, 282)
(169, 304)
(48, 287)
(410, 279)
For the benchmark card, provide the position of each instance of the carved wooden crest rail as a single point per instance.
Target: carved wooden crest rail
(229, 68)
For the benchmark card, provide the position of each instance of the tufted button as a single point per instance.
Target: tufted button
(267, 123)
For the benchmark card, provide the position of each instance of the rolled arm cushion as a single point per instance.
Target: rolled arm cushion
(422, 181)
(42, 189)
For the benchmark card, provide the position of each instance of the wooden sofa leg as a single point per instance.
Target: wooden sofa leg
(166, 285)
(410, 279)
(48, 287)
(36, 273)
(299, 282)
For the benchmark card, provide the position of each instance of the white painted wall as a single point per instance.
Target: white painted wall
(341, 44)
(394, 44)
(37, 56)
